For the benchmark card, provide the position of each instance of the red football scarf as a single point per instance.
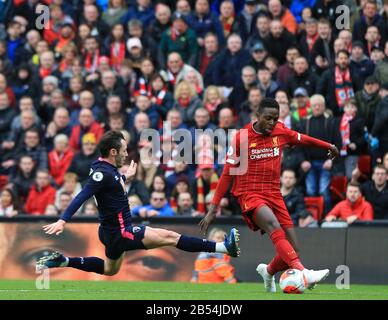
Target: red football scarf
(345, 133)
(227, 24)
(201, 205)
(343, 86)
(117, 53)
(91, 63)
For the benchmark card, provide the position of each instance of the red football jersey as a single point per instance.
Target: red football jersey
(254, 160)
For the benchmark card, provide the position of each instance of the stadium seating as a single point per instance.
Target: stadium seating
(315, 206)
(364, 164)
(338, 188)
(3, 181)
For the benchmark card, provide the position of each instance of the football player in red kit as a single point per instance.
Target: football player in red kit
(253, 164)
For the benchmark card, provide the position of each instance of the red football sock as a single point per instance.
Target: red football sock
(285, 250)
(276, 265)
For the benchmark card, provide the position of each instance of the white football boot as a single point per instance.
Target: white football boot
(269, 281)
(315, 276)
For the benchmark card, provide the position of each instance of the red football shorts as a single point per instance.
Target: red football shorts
(251, 202)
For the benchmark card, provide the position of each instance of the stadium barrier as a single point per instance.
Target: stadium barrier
(363, 247)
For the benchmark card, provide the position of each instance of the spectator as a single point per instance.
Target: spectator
(279, 40)
(230, 62)
(176, 70)
(258, 56)
(249, 107)
(205, 183)
(351, 128)
(183, 7)
(301, 10)
(86, 101)
(367, 100)
(185, 205)
(301, 106)
(158, 207)
(161, 23)
(179, 38)
(267, 86)
(207, 57)
(369, 17)
(143, 81)
(201, 122)
(60, 158)
(8, 203)
(381, 71)
(32, 146)
(90, 209)
(241, 89)
(23, 178)
(143, 10)
(376, 192)
(294, 200)
(360, 63)
(70, 186)
(307, 41)
(196, 80)
(41, 194)
(136, 29)
(322, 56)
(318, 168)
(84, 158)
(213, 102)
(339, 83)
(143, 104)
(87, 125)
(326, 9)
(109, 86)
(186, 101)
(261, 31)
(202, 21)
(230, 23)
(283, 14)
(286, 70)
(91, 17)
(248, 16)
(158, 184)
(64, 201)
(160, 96)
(7, 113)
(59, 125)
(116, 10)
(380, 130)
(302, 77)
(115, 44)
(372, 40)
(57, 18)
(213, 267)
(14, 39)
(353, 208)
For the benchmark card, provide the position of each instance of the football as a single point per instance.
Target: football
(293, 281)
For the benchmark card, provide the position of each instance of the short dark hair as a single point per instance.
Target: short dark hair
(344, 52)
(354, 184)
(380, 166)
(268, 103)
(110, 140)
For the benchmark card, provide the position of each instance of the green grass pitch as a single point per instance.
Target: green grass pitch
(113, 290)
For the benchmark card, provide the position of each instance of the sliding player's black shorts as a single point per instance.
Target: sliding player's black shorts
(118, 241)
